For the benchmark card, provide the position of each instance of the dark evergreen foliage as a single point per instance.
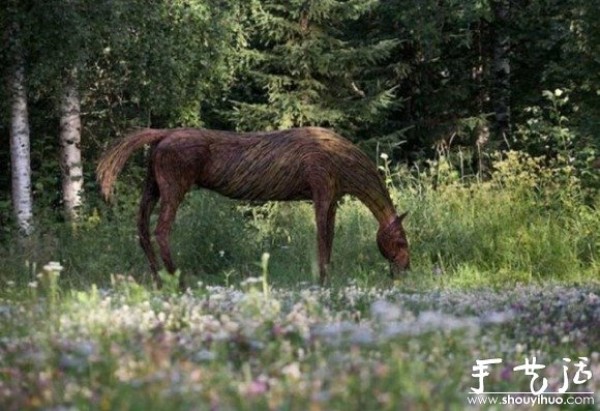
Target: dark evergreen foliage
(414, 76)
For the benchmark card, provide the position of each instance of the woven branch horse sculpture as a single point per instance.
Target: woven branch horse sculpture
(297, 164)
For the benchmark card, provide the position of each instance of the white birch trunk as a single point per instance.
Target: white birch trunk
(70, 149)
(19, 145)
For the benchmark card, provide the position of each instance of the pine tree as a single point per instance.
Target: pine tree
(303, 66)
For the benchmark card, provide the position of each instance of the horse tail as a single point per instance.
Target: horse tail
(113, 161)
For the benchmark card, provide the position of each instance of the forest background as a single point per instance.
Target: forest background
(482, 115)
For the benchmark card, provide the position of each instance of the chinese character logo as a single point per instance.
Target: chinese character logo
(538, 384)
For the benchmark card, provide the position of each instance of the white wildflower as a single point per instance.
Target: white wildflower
(362, 335)
(497, 317)
(292, 371)
(53, 267)
(250, 281)
(204, 356)
(384, 311)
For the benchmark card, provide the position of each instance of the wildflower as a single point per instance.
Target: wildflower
(204, 356)
(53, 267)
(292, 371)
(362, 335)
(264, 259)
(497, 317)
(250, 281)
(384, 156)
(383, 311)
(507, 373)
(256, 387)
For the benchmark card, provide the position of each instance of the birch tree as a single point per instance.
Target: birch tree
(70, 146)
(70, 36)
(19, 134)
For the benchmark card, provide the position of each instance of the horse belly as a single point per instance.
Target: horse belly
(270, 182)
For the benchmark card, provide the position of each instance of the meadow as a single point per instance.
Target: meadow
(505, 267)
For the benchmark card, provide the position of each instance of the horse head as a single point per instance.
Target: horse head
(393, 245)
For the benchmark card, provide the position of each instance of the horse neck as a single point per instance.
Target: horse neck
(375, 196)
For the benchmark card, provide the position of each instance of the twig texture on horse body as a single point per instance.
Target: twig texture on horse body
(297, 164)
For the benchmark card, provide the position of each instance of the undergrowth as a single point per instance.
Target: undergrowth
(527, 222)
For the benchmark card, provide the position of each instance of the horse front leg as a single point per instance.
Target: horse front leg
(325, 219)
(329, 232)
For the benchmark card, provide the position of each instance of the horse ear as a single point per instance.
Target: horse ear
(402, 216)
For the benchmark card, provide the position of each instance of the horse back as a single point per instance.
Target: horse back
(283, 165)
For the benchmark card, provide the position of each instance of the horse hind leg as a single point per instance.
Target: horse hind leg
(149, 199)
(171, 197)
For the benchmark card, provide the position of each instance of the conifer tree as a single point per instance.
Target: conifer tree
(303, 66)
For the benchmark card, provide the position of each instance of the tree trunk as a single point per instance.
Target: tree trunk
(19, 141)
(70, 149)
(501, 69)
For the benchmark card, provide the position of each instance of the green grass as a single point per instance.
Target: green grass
(508, 268)
(526, 224)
